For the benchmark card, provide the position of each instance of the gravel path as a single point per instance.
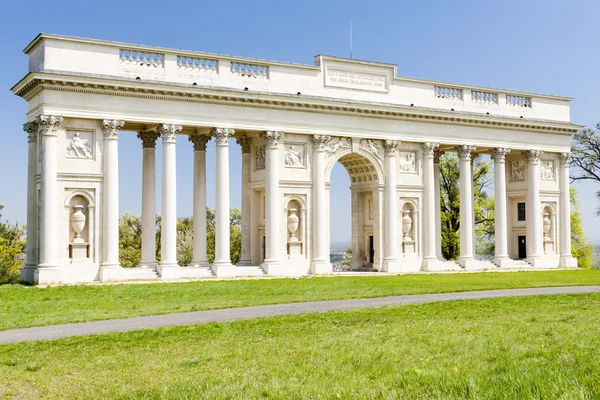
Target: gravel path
(236, 314)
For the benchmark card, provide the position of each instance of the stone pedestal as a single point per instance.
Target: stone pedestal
(295, 249)
(79, 252)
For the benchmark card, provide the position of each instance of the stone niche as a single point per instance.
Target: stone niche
(409, 229)
(549, 229)
(80, 223)
(295, 223)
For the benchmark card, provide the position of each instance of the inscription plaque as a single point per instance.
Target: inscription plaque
(356, 80)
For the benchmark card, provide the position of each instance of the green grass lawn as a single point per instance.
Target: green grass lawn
(509, 348)
(22, 306)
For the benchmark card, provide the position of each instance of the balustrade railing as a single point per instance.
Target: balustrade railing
(518, 101)
(448, 93)
(196, 64)
(249, 70)
(141, 58)
(484, 97)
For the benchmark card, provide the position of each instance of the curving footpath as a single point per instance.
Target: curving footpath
(235, 314)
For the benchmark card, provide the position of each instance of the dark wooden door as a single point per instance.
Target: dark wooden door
(522, 247)
(371, 250)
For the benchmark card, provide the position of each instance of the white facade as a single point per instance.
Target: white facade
(293, 122)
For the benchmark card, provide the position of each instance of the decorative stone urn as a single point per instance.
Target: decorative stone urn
(406, 225)
(292, 224)
(547, 224)
(78, 223)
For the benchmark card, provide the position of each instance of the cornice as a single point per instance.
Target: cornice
(33, 83)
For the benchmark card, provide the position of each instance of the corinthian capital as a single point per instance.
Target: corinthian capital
(48, 124)
(565, 158)
(245, 142)
(499, 154)
(436, 156)
(169, 132)
(148, 138)
(429, 149)
(111, 128)
(533, 156)
(320, 141)
(31, 128)
(199, 141)
(272, 138)
(464, 152)
(222, 135)
(390, 146)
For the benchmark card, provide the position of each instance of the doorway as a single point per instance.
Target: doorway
(522, 240)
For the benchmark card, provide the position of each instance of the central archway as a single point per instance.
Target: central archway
(366, 206)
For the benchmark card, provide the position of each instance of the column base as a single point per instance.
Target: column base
(568, 261)
(223, 269)
(392, 265)
(46, 275)
(430, 265)
(27, 273)
(199, 264)
(320, 267)
(471, 264)
(148, 264)
(168, 271)
(273, 268)
(112, 272)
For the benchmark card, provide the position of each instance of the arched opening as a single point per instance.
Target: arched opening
(354, 217)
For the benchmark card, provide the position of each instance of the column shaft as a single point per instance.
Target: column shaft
(168, 224)
(438, 206)
(534, 214)
(466, 204)
(429, 230)
(222, 235)
(48, 187)
(501, 218)
(31, 261)
(148, 138)
(246, 256)
(111, 195)
(320, 259)
(565, 213)
(272, 197)
(390, 252)
(199, 241)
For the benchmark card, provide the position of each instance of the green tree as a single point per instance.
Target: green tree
(586, 156)
(12, 246)
(235, 233)
(450, 206)
(581, 247)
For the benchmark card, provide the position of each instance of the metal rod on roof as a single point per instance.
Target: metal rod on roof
(350, 39)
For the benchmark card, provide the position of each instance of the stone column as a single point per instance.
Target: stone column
(47, 269)
(430, 257)
(533, 207)
(466, 206)
(246, 144)
(320, 259)
(222, 264)
(110, 268)
(566, 258)
(272, 263)
(501, 219)
(31, 261)
(437, 177)
(168, 223)
(148, 198)
(390, 246)
(199, 210)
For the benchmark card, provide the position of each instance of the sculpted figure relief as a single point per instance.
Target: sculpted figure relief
(518, 170)
(547, 170)
(336, 144)
(260, 157)
(293, 158)
(372, 146)
(78, 147)
(407, 161)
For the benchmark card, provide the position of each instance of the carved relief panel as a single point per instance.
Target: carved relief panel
(295, 155)
(407, 161)
(80, 144)
(517, 170)
(547, 170)
(260, 158)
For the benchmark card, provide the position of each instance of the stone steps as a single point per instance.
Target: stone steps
(196, 272)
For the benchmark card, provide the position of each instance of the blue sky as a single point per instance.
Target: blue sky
(546, 46)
